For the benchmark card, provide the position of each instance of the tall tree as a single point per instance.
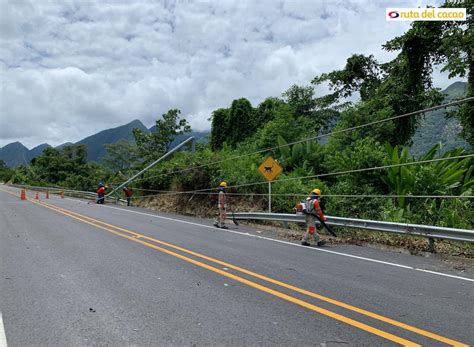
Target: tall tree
(266, 111)
(219, 128)
(457, 54)
(153, 145)
(410, 75)
(300, 99)
(241, 121)
(361, 74)
(447, 43)
(400, 86)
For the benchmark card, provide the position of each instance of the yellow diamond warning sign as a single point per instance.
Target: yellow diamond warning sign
(270, 169)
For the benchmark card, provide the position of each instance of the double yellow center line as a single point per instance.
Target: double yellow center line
(157, 245)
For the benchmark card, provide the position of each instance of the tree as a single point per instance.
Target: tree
(300, 99)
(65, 167)
(267, 111)
(219, 128)
(5, 172)
(457, 54)
(302, 105)
(449, 44)
(153, 145)
(361, 74)
(121, 155)
(241, 121)
(410, 75)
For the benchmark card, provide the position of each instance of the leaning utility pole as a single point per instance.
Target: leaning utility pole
(152, 165)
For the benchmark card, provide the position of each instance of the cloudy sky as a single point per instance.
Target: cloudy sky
(71, 68)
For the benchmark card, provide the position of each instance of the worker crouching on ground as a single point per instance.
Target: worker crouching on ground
(312, 211)
(221, 204)
(128, 194)
(101, 193)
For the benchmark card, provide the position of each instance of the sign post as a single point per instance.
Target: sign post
(269, 197)
(270, 169)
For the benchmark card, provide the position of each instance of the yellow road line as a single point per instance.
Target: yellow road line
(281, 284)
(260, 287)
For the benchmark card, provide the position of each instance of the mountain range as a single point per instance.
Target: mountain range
(15, 154)
(435, 127)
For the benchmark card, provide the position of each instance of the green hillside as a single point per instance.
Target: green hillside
(436, 127)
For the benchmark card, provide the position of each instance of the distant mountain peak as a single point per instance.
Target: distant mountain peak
(95, 143)
(15, 144)
(456, 90)
(43, 145)
(14, 154)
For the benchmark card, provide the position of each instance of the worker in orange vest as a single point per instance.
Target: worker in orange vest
(313, 212)
(128, 194)
(101, 193)
(221, 205)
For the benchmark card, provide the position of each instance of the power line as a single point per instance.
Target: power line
(322, 195)
(434, 108)
(328, 174)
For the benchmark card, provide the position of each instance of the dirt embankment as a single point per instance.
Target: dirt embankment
(206, 206)
(199, 205)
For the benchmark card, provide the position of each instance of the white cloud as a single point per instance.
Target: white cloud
(70, 69)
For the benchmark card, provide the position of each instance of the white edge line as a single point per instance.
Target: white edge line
(290, 243)
(3, 337)
(443, 274)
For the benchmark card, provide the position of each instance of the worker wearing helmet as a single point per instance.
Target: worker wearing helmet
(221, 204)
(313, 211)
(101, 193)
(128, 194)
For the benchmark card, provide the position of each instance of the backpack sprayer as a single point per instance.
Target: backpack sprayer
(300, 209)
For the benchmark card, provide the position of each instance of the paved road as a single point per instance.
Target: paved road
(74, 273)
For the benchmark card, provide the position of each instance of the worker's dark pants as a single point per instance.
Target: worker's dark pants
(128, 200)
(101, 198)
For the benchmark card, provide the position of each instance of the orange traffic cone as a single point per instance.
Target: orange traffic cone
(47, 194)
(23, 195)
(62, 195)
(37, 196)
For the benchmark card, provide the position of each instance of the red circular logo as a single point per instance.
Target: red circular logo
(394, 14)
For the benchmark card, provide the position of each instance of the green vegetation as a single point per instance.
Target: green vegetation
(122, 156)
(5, 172)
(242, 135)
(64, 167)
(156, 143)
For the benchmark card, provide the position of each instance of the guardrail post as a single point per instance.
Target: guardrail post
(431, 245)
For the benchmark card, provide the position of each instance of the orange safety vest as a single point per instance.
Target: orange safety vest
(312, 206)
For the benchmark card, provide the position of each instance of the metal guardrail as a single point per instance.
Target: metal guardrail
(68, 192)
(428, 231)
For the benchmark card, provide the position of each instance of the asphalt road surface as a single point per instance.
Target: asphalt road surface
(78, 273)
